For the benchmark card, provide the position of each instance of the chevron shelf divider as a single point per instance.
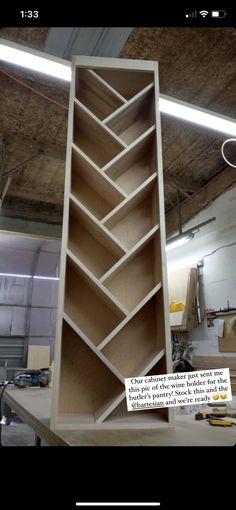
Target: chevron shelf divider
(113, 319)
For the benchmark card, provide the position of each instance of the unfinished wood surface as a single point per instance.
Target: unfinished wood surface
(136, 418)
(102, 232)
(134, 118)
(95, 95)
(228, 342)
(96, 256)
(93, 139)
(38, 356)
(134, 280)
(127, 83)
(90, 187)
(86, 383)
(132, 349)
(182, 285)
(203, 362)
(135, 166)
(88, 308)
(135, 219)
(113, 256)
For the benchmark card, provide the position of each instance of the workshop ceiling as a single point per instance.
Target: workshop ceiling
(196, 65)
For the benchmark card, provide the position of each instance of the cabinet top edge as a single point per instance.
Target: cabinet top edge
(114, 63)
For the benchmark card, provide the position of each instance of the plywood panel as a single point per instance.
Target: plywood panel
(132, 349)
(113, 310)
(38, 356)
(228, 342)
(86, 383)
(134, 280)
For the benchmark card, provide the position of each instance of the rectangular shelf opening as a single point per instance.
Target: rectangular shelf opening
(86, 384)
(93, 139)
(91, 189)
(141, 341)
(89, 244)
(135, 118)
(87, 305)
(136, 165)
(94, 94)
(137, 217)
(134, 279)
(127, 83)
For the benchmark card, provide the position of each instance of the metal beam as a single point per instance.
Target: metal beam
(202, 199)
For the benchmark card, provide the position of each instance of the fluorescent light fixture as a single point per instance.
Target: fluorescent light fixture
(59, 68)
(35, 62)
(184, 237)
(178, 242)
(197, 115)
(30, 276)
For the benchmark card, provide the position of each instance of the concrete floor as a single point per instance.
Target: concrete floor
(18, 434)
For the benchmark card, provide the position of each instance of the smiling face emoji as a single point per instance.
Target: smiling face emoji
(223, 396)
(215, 396)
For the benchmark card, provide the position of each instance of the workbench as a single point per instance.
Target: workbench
(33, 406)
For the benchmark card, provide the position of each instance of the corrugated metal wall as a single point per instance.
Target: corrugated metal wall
(27, 305)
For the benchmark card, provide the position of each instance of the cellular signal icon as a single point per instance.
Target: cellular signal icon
(203, 13)
(191, 15)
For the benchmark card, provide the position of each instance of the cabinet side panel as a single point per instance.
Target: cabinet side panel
(162, 230)
(60, 305)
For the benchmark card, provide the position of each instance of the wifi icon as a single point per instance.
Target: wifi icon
(204, 13)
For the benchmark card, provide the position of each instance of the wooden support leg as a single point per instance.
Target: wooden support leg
(37, 440)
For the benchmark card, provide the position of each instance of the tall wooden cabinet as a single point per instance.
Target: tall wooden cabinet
(113, 308)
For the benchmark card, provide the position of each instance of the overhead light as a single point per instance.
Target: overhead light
(184, 237)
(175, 243)
(197, 115)
(30, 276)
(59, 68)
(35, 61)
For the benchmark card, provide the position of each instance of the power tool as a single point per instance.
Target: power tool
(32, 378)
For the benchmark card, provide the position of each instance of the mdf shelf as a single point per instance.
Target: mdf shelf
(132, 281)
(140, 342)
(113, 317)
(150, 418)
(97, 252)
(127, 82)
(86, 384)
(95, 94)
(97, 194)
(87, 305)
(135, 166)
(135, 117)
(91, 137)
(136, 217)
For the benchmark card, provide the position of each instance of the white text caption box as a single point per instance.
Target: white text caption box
(178, 389)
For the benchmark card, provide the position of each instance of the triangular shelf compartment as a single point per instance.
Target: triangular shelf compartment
(91, 137)
(134, 118)
(95, 192)
(95, 94)
(133, 167)
(132, 281)
(127, 83)
(96, 250)
(136, 217)
(140, 343)
(147, 418)
(86, 384)
(87, 305)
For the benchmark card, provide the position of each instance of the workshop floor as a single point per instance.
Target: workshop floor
(18, 434)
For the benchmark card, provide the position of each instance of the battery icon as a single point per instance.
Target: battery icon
(218, 14)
